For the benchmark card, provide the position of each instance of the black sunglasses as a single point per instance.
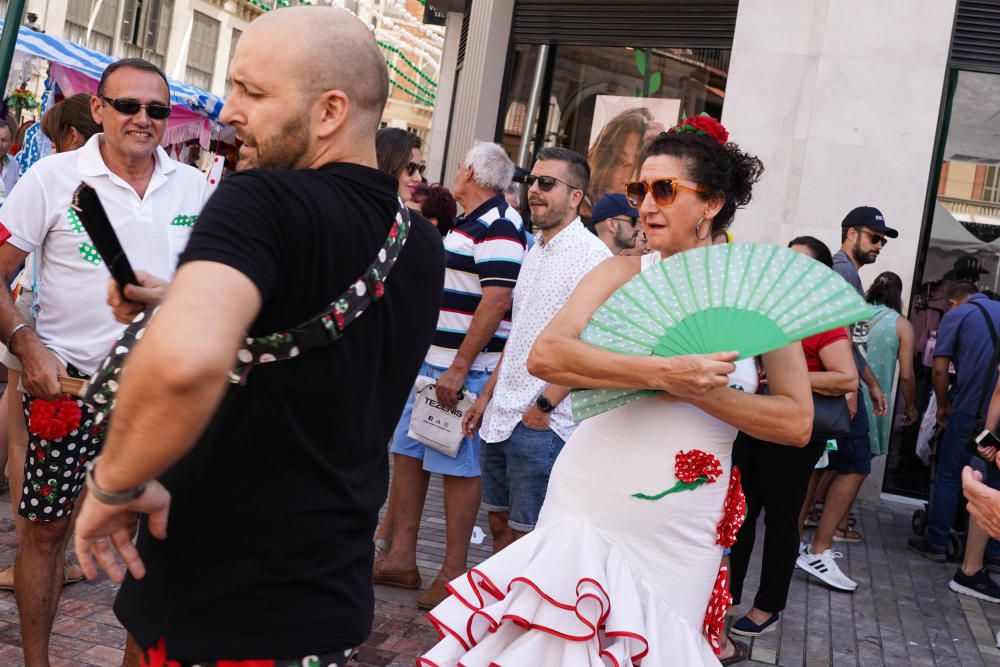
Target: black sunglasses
(413, 167)
(876, 239)
(131, 107)
(546, 183)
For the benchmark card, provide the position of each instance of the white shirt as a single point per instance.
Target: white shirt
(550, 273)
(74, 320)
(8, 176)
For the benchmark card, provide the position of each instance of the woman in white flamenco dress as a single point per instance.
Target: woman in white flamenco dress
(607, 578)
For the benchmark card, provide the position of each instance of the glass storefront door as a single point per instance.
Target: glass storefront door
(608, 102)
(964, 244)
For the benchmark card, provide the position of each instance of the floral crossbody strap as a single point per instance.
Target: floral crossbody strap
(327, 326)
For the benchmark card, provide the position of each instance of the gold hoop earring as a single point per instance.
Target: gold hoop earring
(697, 229)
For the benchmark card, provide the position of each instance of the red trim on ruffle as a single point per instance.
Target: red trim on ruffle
(486, 584)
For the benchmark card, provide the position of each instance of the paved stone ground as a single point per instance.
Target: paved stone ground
(902, 613)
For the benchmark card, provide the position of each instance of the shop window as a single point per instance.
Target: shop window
(963, 244)
(201, 51)
(608, 102)
(92, 23)
(145, 29)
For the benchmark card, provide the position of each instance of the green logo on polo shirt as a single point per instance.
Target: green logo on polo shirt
(74, 221)
(184, 221)
(86, 250)
(89, 253)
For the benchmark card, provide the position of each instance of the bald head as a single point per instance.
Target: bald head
(321, 49)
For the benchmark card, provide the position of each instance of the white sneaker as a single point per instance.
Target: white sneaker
(823, 567)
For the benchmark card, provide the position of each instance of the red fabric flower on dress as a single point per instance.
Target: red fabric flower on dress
(718, 604)
(693, 465)
(734, 512)
(693, 469)
(51, 420)
(701, 124)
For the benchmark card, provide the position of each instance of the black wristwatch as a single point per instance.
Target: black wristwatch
(544, 404)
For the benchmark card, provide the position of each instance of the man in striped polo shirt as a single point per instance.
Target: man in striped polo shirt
(483, 253)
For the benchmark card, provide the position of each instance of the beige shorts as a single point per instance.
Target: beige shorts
(22, 304)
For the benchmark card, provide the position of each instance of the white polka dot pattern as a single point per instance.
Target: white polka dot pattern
(751, 298)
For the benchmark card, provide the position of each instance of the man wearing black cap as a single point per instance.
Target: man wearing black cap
(615, 222)
(863, 236)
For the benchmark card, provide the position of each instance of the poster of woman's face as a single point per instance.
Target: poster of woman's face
(623, 126)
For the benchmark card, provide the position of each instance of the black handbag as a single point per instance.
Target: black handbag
(831, 416)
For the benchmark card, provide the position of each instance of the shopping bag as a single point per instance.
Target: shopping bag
(433, 424)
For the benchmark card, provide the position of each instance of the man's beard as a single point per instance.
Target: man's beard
(552, 217)
(285, 149)
(862, 257)
(625, 237)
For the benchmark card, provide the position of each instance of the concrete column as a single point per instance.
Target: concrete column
(442, 104)
(225, 43)
(51, 14)
(478, 91)
(840, 100)
(181, 22)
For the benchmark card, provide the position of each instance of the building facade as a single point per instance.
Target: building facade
(194, 40)
(847, 103)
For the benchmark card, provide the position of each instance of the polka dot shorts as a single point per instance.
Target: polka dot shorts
(54, 470)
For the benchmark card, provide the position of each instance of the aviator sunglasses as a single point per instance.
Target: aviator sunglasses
(131, 107)
(413, 167)
(546, 183)
(664, 190)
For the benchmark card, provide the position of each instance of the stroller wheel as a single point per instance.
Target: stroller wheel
(919, 522)
(956, 549)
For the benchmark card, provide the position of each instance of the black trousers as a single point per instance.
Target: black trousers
(775, 479)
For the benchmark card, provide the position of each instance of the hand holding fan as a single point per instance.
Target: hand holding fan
(95, 220)
(746, 297)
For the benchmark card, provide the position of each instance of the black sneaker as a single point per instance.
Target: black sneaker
(920, 545)
(979, 586)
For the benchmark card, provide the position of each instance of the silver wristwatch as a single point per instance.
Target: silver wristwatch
(108, 497)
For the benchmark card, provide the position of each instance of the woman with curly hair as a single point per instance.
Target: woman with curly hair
(608, 578)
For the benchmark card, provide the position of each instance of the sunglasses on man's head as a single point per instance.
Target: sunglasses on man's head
(413, 167)
(546, 183)
(664, 190)
(131, 107)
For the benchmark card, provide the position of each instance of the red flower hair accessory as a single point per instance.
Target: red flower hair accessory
(693, 469)
(52, 420)
(701, 124)
(718, 604)
(734, 512)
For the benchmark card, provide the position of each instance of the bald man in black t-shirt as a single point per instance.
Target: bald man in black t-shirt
(273, 488)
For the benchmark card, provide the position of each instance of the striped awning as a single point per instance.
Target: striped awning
(92, 63)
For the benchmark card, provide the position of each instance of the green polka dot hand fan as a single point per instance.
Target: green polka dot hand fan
(746, 298)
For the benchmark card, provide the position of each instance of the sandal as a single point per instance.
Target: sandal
(850, 535)
(382, 547)
(741, 652)
(71, 574)
(815, 514)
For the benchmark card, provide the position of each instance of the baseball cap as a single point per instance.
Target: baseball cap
(870, 217)
(611, 205)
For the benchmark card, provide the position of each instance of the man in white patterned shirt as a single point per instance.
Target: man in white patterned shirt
(524, 420)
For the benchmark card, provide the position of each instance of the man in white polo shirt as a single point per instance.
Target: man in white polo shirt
(152, 203)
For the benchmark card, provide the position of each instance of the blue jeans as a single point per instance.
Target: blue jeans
(516, 474)
(952, 456)
(466, 460)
